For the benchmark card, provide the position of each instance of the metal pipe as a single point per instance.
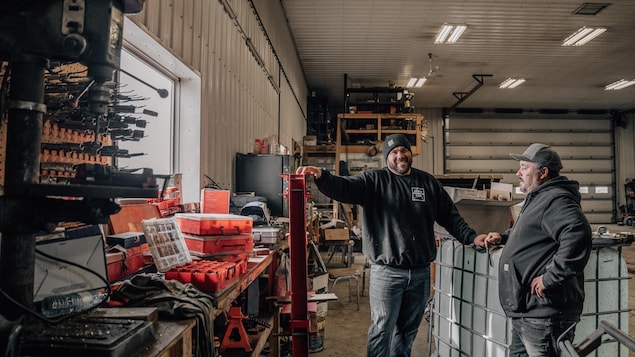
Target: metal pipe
(24, 137)
(461, 96)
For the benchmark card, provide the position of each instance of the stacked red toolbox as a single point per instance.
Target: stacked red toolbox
(224, 245)
(225, 238)
(214, 224)
(123, 263)
(125, 254)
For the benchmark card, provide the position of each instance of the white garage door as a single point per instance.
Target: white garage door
(480, 144)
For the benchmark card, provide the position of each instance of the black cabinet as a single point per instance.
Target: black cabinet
(319, 121)
(261, 174)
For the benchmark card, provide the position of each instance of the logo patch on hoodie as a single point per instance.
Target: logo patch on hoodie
(418, 194)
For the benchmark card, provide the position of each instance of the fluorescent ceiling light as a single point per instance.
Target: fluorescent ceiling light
(416, 82)
(510, 83)
(583, 35)
(420, 82)
(449, 34)
(622, 83)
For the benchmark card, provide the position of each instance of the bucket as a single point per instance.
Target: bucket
(316, 340)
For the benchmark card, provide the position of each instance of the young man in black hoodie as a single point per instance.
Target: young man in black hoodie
(400, 205)
(541, 279)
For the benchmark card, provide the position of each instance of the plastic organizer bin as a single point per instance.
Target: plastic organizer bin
(207, 275)
(240, 259)
(211, 245)
(166, 243)
(211, 224)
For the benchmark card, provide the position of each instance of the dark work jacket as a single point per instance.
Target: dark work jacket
(399, 214)
(550, 237)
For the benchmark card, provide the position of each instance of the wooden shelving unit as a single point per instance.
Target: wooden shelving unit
(357, 133)
(359, 138)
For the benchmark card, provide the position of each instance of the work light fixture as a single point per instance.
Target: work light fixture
(416, 82)
(510, 83)
(449, 34)
(622, 83)
(583, 35)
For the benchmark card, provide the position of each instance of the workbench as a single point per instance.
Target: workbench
(256, 267)
(174, 338)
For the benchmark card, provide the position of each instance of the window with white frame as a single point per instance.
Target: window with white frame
(171, 136)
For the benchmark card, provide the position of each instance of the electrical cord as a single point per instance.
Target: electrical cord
(212, 184)
(41, 317)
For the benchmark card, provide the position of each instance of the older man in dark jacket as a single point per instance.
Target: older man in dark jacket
(541, 280)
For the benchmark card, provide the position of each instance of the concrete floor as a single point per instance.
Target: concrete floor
(346, 328)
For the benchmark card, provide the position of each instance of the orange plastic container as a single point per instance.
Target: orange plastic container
(240, 259)
(219, 244)
(208, 276)
(210, 224)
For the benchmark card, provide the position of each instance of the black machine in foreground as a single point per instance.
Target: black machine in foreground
(32, 34)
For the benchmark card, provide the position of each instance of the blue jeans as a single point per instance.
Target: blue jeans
(397, 302)
(536, 337)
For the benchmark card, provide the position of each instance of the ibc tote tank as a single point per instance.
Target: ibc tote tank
(468, 320)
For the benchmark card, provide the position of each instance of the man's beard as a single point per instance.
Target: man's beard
(400, 169)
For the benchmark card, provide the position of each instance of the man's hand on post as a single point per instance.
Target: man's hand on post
(316, 172)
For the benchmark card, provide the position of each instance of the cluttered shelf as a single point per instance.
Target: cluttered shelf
(221, 246)
(250, 345)
(255, 268)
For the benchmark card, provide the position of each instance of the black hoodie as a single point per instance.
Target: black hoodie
(550, 237)
(399, 214)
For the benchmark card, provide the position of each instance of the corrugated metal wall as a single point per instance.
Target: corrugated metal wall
(431, 157)
(247, 97)
(249, 90)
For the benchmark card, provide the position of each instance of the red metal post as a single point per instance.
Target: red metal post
(299, 264)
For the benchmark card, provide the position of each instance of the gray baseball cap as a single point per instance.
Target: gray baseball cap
(540, 154)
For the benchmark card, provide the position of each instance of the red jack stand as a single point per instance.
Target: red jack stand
(235, 324)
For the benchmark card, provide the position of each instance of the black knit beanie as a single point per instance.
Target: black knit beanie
(394, 140)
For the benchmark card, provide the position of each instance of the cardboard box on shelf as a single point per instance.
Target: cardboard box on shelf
(310, 140)
(458, 193)
(500, 191)
(318, 282)
(336, 234)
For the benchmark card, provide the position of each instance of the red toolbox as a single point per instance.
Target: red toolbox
(209, 224)
(207, 275)
(209, 245)
(126, 261)
(240, 259)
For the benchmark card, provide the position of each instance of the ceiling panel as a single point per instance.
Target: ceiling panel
(379, 42)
